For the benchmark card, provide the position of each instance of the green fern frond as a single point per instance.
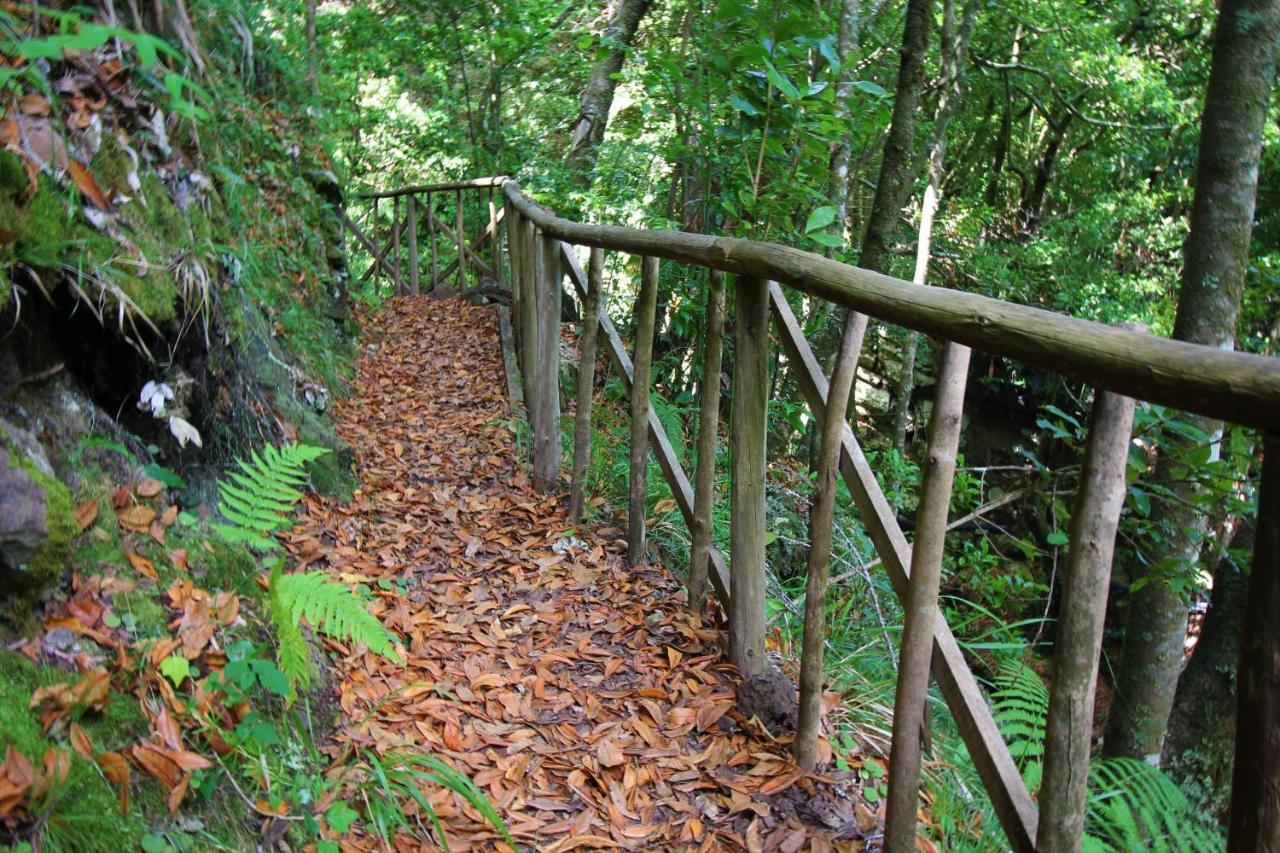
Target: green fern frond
(1020, 706)
(329, 607)
(257, 498)
(1133, 806)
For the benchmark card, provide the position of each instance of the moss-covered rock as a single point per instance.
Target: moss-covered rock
(37, 522)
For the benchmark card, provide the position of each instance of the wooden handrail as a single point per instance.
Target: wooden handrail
(1234, 386)
(1237, 387)
(471, 184)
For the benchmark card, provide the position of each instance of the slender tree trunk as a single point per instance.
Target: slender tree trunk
(846, 45)
(895, 169)
(1214, 261)
(955, 45)
(899, 145)
(1033, 198)
(312, 57)
(597, 97)
(1202, 726)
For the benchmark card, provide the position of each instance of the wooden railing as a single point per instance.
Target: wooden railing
(421, 203)
(1122, 365)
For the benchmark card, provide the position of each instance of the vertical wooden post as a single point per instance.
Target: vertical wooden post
(708, 428)
(586, 383)
(431, 240)
(495, 248)
(512, 220)
(395, 244)
(821, 516)
(546, 366)
(461, 240)
(921, 613)
(747, 442)
(1094, 520)
(1255, 782)
(411, 212)
(529, 313)
(642, 359)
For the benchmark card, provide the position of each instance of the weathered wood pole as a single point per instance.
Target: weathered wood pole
(529, 312)
(708, 428)
(642, 361)
(921, 613)
(1086, 581)
(395, 245)
(586, 383)
(460, 238)
(512, 219)
(1255, 781)
(411, 211)
(495, 247)
(546, 365)
(821, 517)
(431, 239)
(747, 427)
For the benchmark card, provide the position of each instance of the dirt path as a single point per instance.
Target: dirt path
(579, 695)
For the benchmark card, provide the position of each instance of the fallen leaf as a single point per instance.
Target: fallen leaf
(86, 513)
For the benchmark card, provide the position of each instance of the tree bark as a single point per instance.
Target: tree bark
(1202, 725)
(899, 144)
(1215, 257)
(954, 46)
(597, 97)
(312, 57)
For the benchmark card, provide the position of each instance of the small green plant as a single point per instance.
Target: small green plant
(397, 777)
(255, 499)
(1131, 805)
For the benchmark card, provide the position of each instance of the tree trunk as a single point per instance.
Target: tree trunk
(1215, 258)
(312, 58)
(899, 145)
(1202, 726)
(846, 44)
(955, 44)
(597, 98)
(1033, 198)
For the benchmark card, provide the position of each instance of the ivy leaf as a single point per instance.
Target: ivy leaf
(820, 218)
(1057, 538)
(176, 668)
(270, 676)
(340, 816)
(825, 239)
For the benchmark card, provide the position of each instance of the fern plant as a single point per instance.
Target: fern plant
(1131, 805)
(257, 499)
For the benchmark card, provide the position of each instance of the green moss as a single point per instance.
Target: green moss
(149, 616)
(59, 521)
(86, 812)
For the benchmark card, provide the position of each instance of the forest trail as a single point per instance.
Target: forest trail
(590, 706)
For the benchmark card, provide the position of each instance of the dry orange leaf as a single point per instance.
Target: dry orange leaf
(142, 565)
(149, 488)
(85, 182)
(87, 513)
(137, 518)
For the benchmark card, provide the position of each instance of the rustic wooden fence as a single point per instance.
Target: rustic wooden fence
(1122, 366)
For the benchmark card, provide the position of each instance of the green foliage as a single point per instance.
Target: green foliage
(255, 498)
(1130, 806)
(329, 607)
(392, 779)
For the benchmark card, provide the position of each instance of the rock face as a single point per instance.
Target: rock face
(22, 514)
(36, 519)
